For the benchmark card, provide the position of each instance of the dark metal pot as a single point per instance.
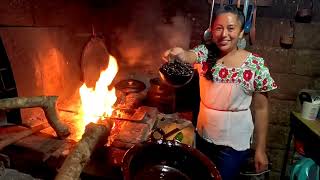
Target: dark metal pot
(167, 160)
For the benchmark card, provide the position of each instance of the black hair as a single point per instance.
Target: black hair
(231, 9)
(213, 50)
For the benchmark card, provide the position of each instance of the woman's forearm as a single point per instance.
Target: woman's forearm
(261, 120)
(261, 128)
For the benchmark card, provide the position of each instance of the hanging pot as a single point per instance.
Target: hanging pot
(287, 39)
(304, 14)
(167, 160)
(94, 59)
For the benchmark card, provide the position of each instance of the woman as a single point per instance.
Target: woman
(229, 78)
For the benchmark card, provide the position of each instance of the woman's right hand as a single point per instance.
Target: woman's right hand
(174, 53)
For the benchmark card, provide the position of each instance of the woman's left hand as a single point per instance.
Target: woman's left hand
(260, 161)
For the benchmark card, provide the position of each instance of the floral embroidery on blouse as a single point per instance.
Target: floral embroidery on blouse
(202, 53)
(253, 75)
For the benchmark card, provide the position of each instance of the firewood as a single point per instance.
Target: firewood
(47, 103)
(95, 134)
(14, 137)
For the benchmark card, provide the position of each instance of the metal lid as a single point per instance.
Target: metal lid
(130, 86)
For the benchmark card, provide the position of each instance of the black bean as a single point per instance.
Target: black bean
(176, 71)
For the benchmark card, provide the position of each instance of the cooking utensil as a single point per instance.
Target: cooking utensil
(127, 114)
(168, 81)
(242, 43)
(167, 160)
(248, 22)
(130, 86)
(94, 59)
(207, 35)
(162, 134)
(238, 3)
(304, 14)
(252, 34)
(245, 9)
(221, 3)
(287, 39)
(180, 76)
(161, 96)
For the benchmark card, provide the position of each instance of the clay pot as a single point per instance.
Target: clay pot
(287, 39)
(167, 160)
(304, 15)
(161, 96)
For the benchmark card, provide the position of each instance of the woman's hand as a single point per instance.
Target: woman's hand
(260, 161)
(174, 53)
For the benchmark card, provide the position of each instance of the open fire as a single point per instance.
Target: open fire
(96, 105)
(97, 102)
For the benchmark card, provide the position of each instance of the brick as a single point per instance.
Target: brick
(274, 175)
(277, 136)
(306, 35)
(276, 158)
(303, 62)
(268, 32)
(306, 62)
(280, 111)
(316, 83)
(276, 58)
(62, 13)
(289, 85)
(16, 12)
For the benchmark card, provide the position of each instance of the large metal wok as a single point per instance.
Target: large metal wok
(167, 160)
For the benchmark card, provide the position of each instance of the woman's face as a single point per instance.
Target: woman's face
(226, 31)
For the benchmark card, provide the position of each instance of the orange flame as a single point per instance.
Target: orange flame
(97, 102)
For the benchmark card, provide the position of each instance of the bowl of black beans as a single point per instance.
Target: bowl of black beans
(176, 73)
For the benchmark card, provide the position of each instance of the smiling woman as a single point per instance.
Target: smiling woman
(229, 79)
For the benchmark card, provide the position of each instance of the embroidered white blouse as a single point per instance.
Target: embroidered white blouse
(225, 117)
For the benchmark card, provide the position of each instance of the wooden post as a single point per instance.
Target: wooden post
(95, 134)
(47, 103)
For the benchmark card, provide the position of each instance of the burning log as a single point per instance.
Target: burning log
(95, 134)
(47, 103)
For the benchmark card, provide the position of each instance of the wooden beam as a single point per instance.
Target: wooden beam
(259, 2)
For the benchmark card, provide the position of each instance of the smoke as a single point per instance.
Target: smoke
(147, 36)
